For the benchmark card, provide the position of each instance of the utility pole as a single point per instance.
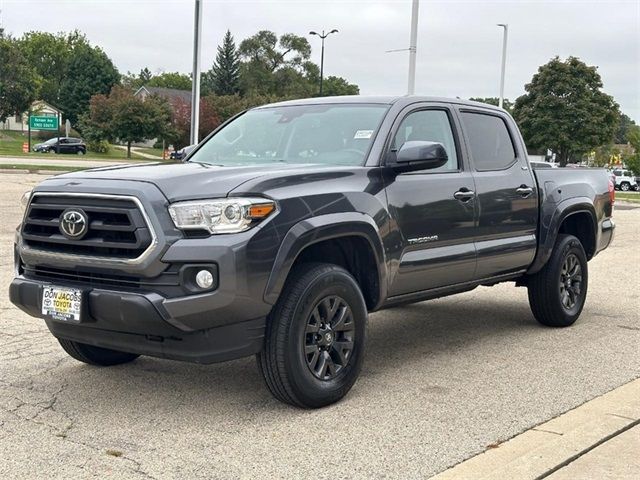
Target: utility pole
(413, 48)
(195, 89)
(505, 26)
(322, 36)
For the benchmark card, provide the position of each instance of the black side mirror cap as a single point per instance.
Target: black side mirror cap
(420, 155)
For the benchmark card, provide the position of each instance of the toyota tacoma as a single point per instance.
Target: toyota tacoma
(287, 225)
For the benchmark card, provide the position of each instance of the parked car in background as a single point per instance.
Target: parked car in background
(62, 145)
(182, 153)
(625, 180)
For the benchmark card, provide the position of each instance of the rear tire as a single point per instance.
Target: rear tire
(625, 186)
(315, 338)
(98, 356)
(557, 293)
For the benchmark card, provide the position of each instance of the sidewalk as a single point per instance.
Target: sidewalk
(598, 440)
(138, 152)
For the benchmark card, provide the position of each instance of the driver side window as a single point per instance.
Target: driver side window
(430, 126)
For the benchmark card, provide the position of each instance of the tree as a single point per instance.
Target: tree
(224, 76)
(565, 109)
(273, 65)
(145, 75)
(623, 128)
(339, 86)
(633, 161)
(90, 72)
(50, 55)
(181, 121)
(19, 82)
(127, 118)
(177, 80)
(495, 101)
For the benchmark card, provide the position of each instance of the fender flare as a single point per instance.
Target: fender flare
(317, 229)
(550, 227)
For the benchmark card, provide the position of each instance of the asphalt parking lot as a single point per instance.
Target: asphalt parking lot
(442, 381)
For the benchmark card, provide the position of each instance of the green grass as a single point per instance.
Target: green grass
(11, 145)
(11, 142)
(628, 197)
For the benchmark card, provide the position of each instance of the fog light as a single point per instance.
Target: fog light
(204, 279)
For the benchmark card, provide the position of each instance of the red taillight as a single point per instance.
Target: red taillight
(612, 192)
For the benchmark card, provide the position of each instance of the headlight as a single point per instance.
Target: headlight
(24, 200)
(230, 215)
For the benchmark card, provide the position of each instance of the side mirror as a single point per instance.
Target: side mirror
(420, 155)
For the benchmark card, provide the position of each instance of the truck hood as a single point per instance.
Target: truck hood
(190, 180)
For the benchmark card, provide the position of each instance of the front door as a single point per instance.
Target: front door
(434, 209)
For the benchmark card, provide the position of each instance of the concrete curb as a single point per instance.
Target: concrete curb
(51, 172)
(547, 448)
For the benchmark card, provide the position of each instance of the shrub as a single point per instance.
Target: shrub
(98, 146)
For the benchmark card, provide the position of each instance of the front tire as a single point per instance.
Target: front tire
(625, 186)
(97, 356)
(315, 338)
(557, 293)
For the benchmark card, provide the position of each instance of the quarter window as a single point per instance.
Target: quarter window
(489, 140)
(429, 126)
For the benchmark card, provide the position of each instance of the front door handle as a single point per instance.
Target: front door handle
(464, 195)
(524, 191)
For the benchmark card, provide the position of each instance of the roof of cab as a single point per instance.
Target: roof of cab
(377, 99)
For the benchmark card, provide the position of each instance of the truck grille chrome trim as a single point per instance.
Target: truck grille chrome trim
(119, 229)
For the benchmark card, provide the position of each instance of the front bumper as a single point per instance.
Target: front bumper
(138, 323)
(146, 306)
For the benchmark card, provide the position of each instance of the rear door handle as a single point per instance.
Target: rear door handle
(524, 191)
(464, 195)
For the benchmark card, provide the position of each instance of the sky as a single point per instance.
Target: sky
(459, 44)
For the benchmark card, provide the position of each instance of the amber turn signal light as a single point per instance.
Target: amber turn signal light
(261, 210)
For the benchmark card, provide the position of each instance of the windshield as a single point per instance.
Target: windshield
(319, 134)
(50, 141)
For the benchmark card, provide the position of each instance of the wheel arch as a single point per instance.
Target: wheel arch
(350, 240)
(575, 216)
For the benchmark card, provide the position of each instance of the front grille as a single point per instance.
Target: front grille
(116, 226)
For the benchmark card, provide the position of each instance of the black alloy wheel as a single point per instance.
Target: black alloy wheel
(329, 337)
(315, 337)
(570, 281)
(557, 293)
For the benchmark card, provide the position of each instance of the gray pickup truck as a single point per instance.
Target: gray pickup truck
(292, 221)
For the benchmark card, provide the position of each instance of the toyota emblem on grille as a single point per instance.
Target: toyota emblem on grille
(74, 223)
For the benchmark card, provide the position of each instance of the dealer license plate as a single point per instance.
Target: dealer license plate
(62, 303)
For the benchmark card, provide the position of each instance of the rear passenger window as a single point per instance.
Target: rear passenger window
(489, 140)
(429, 126)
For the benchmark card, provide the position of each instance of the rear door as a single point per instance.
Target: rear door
(507, 196)
(435, 244)
(64, 145)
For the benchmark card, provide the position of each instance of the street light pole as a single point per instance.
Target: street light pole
(322, 36)
(413, 48)
(505, 26)
(195, 89)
